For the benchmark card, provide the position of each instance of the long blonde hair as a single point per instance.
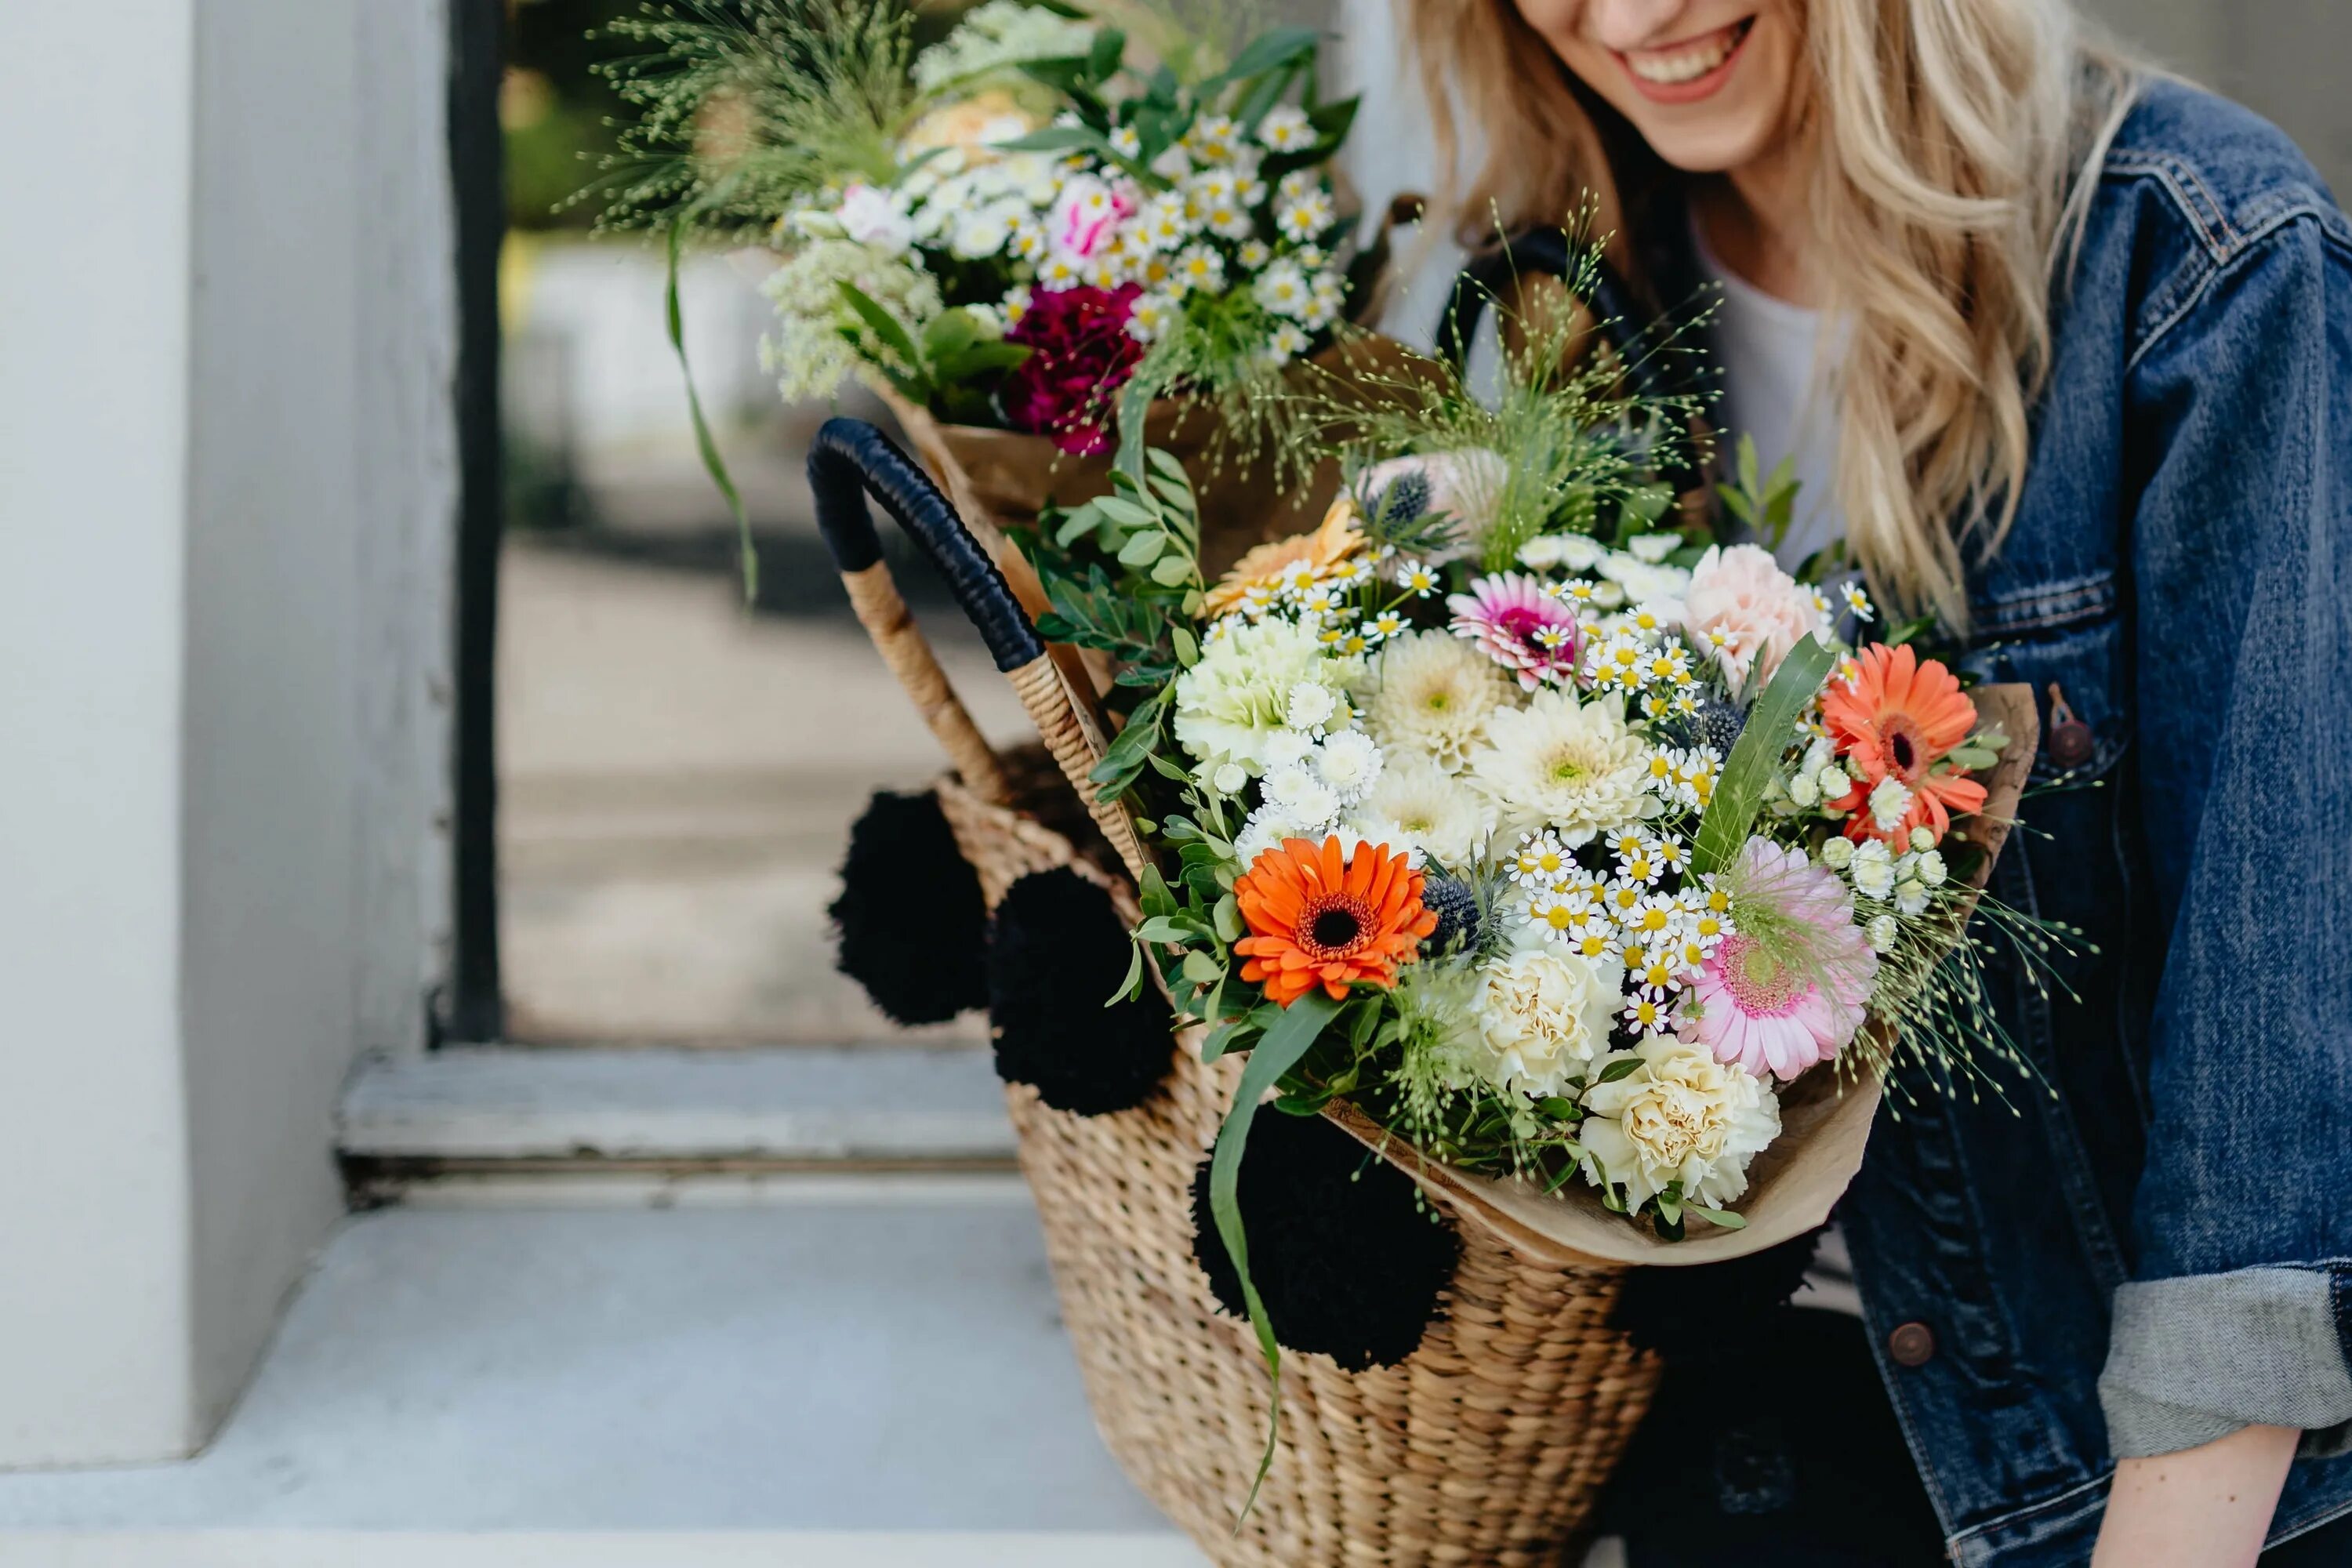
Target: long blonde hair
(1955, 145)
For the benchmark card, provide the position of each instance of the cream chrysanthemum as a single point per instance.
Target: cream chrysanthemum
(1433, 694)
(1544, 1014)
(1574, 768)
(1678, 1116)
(1231, 706)
(1418, 802)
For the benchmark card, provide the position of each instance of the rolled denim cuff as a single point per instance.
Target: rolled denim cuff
(2195, 1359)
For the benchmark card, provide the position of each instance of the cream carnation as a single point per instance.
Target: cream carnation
(1576, 769)
(1232, 705)
(1742, 595)
(1679, 1116)
(1418, 802)
(1431, 695)
(1544, 1016)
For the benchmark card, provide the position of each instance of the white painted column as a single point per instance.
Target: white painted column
(194, 479)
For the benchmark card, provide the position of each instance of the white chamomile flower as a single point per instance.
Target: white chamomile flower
(1297, 185)
(1198, 268)
(1657, 972)
(1654, 918)
(1303, 219)
(1230, 220)
(1056, 273)
(1287, 342)
(1543, 861)
(1669, 852)
(1285, 128)
(1859, 603)
(1282, 290)
(1350, 763)
(1647, 1017)
(1837, 853)
(1418, 578)
(1231, 778)
(1126, 142)
(1254, 254)
(1888, 801)
(1211, 138)
(1150, 317)
(1385, 625)
(1652, 548)
(1882, 932)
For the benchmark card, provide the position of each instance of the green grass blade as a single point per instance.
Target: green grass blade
(711, 461)
(1748, 772)
(1276, 1052)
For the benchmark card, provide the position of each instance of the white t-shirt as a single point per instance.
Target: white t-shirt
(1773, 392)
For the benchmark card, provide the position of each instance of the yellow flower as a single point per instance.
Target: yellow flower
(1331, 544)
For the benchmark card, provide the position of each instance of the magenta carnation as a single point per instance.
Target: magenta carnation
(1081, 355)
(1788, 989)
(1520, 627)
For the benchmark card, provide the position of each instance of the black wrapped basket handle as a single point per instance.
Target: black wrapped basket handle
(850, 460)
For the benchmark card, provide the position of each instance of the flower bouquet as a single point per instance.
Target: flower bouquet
(1036, 229)
(1593, 872)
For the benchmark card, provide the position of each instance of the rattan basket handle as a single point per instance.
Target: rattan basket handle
(849, 460)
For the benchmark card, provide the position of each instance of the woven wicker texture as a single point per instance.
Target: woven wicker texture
(1486, 1445)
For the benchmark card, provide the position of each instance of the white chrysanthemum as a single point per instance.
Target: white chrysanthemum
(1574, 768)
(1872, 869)
(1837, 854)
(1679, 1116)
(1418, 802)
(1350, 763)
(1433, 694)
(1544, 1014)
(1231, 704)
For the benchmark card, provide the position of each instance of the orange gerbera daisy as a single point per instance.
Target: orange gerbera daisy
(1319, 916)
(1264, 565)
(1896, 717)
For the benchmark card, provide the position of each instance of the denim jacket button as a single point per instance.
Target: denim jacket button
(1913, 1344)
(2070, 744)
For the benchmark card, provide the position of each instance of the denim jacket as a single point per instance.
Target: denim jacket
(2159, 1252)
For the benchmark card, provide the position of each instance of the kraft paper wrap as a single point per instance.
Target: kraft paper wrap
(1793, 1186)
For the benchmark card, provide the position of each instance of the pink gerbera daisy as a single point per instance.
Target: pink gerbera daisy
(1788, 989)
(1520, 627)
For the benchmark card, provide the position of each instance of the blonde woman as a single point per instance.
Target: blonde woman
(2064, 351)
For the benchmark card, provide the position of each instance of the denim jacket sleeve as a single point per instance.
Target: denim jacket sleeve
(2240, 1308)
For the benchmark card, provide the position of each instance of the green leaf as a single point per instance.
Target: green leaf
(1054, 138)
(712, 463)
(1747, 465)
(1723, 1218)
(1133, 984)
(1188, 647)
(1168, 928)
(1560, 1110)
(883, 326)
(1203, 968)
(1142, 548)
(1280, 1050)
(1125, 512)
(1227, 915)
(1755, 757)
(1171, 570)
(1270, 50)
(1617, 1069)
(1110, 48)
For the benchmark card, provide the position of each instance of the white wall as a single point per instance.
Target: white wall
(192, 476)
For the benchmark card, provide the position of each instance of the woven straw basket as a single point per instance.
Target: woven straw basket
(1486, 1445)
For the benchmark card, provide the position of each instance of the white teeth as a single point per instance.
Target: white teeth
(1670, 68)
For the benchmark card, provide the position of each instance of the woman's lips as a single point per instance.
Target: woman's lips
(1687, 71)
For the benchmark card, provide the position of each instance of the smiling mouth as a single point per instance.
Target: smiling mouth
(1690, 69)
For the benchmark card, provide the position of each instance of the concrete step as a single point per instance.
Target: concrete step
(882, 1381)
(667, 1115)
